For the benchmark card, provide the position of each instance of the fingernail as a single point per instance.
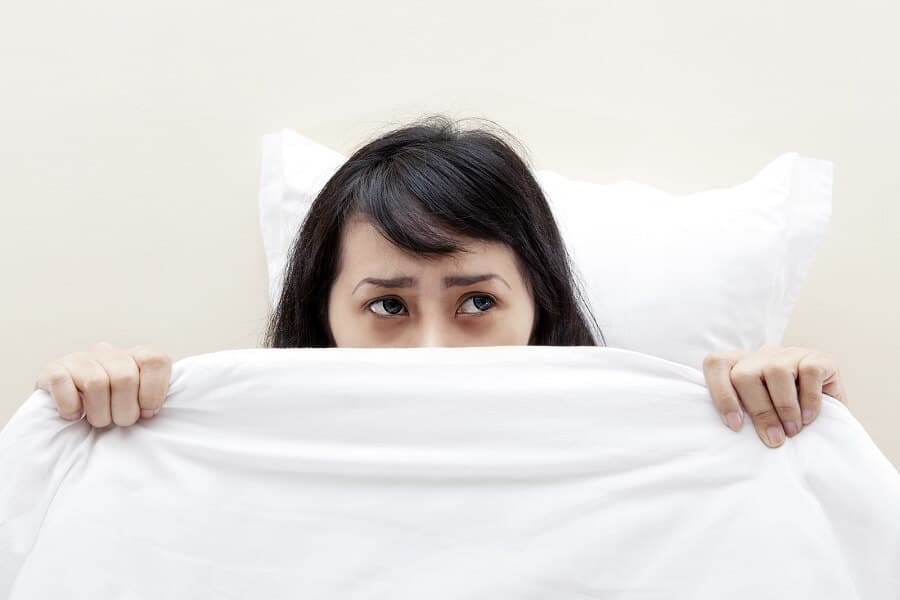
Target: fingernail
(733, 420)
(157, 410)
(775, 435)
(147, 413)
(808, 415)
(790, 427)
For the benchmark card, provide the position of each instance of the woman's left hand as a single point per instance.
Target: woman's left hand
(780, 387)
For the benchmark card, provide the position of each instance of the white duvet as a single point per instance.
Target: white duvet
(436, 473)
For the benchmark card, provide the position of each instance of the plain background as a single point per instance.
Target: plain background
(131, 130)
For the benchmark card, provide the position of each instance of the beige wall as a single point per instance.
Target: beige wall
(130, 132)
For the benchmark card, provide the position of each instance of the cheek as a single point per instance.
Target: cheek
(508, 327)
(525, 325)
(352, 327)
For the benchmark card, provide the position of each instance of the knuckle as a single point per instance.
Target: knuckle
(741, 375)
(764, 415)
(56, 374)
(787, 409)
(713, 359)
(128, 378)
(776, 370)
(813, 369)
(152, 359)
(95, 383)
(812, 398)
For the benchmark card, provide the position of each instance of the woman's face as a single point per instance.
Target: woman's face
(422, 302)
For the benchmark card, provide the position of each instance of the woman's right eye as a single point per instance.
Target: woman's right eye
(391, 305)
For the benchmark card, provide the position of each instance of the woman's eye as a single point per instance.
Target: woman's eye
(391, 305)
(481, 303)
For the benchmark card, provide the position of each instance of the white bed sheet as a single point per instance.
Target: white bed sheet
(487, 472)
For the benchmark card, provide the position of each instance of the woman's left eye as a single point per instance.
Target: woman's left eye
(480, 306)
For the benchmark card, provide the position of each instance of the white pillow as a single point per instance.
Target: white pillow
(673, 276)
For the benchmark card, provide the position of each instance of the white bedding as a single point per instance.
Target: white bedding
(438, 473)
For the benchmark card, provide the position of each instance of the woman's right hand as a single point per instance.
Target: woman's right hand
(107, 384)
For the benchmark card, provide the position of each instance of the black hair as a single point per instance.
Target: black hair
(420, 185)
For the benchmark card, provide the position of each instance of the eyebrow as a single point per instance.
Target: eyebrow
(405, 282)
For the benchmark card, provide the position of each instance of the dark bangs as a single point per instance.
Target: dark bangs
(421, 197)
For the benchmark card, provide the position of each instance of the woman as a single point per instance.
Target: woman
(433, 235)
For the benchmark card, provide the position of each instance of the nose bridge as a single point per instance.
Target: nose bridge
(434, 331)
(433, 334)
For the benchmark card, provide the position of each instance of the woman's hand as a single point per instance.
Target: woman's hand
(781, 388)
(117, 386)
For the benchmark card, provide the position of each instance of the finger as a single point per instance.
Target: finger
(748, 382)
(123, 385)
(781, 383)
(155, 371)
(56, 380)
(717, 370)
(92, 381)
(812, 373)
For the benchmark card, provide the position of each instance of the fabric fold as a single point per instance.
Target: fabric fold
(479, 472)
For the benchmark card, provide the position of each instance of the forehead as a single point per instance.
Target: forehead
(364, 249)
